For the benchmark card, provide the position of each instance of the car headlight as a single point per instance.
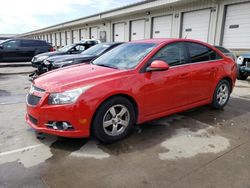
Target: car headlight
(67, 97)
(41, 58)
(46, 62)
(62, 63)
(240, 60)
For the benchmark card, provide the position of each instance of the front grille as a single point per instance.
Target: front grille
(248, 64)
(33, 100)
(33, 120)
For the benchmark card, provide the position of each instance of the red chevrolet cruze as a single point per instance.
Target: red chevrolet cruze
(133, 83)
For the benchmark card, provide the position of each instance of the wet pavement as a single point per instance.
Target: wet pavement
(197, 148)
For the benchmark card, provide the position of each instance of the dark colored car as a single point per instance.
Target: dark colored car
(67, 60)
(22, 49)
(227, 52)
(66, 50)
(243, 66)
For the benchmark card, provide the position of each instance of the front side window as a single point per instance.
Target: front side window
(125, 56)
(11, 44)
(172, 54)
(66, 48)
(200, 53)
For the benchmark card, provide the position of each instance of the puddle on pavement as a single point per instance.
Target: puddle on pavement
(7, 98)
(187, 144)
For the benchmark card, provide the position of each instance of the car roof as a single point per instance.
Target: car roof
(167, 40)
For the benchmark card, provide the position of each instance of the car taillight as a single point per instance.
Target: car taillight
(51, 49)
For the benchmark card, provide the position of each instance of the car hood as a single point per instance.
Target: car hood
(69, 58)
(245, 55)
(49, 54)
(74, 77)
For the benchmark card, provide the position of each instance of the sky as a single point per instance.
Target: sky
(20, 16)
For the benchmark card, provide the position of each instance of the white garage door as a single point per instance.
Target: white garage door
(119, 32)
(237, 26)
(53, 39)
(94, 33)
(196, 25)
(162, 26)
(68, 37)
(75, 35)
(137, 30)
(63, 41)
(58, 41)
(84, 34)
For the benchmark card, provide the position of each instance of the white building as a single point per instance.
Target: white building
(218, 22)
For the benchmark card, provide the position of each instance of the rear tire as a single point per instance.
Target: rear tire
(221, 94)
(240, 75)
(113, 120)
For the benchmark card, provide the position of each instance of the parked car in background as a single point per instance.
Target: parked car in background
(227, 52)
(69, 49)
(86, 56)
(243, 66)
(22, 49)
(133, 83)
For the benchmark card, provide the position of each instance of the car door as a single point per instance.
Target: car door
(204, 64)
(27, 49)
(11, 50)
(167, 90)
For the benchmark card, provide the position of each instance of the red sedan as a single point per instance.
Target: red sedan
(133, 83)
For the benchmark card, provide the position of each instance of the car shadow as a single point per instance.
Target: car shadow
(153, 133)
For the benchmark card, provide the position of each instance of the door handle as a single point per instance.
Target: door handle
(183, 76)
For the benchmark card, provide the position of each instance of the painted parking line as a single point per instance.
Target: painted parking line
(20, 150)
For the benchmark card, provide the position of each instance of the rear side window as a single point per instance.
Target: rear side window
(173, 54)
(32, 43)
(200, 53)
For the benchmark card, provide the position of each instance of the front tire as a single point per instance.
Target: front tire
(221, 94)
(113, 120)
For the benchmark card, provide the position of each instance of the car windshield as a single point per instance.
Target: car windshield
(96, 50)
(125, 56)
(66, 48)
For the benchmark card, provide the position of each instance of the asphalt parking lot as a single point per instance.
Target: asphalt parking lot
(197, 148)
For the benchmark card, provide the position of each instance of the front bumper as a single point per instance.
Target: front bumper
(78, 116)
(245, 69)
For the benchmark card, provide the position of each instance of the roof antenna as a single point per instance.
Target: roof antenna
(186, 35)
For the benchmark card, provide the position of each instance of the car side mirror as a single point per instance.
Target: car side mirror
(158, 65)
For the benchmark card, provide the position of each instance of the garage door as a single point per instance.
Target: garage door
(237, 26)
(119, 32)
(84, 34)
(58, 40)
(162, 26)
(94, 33)
(75, 35)
(137, 30)
(68, 37)
(63, 41)
(53, 39)
(196, 25)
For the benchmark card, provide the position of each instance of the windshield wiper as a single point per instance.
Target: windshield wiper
(107, 65)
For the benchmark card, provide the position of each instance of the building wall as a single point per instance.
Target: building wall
(106, 21)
